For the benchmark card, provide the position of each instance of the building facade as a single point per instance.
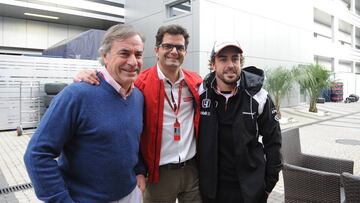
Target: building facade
(29, 26)
(336, 37)
(272, 33)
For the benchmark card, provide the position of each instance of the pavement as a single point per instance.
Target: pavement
(332, 132)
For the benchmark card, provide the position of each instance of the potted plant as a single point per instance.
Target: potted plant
(278, 82)
(312, 78)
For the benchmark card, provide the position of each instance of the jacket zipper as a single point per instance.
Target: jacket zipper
(193, 92)
(252, 114)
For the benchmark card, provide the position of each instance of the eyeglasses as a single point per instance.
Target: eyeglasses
(169, 47)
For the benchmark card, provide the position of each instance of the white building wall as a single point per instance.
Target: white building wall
(20, 33)
(35, 33)
(1, 30)
(349, 81)
(325, 62)
(271, 33)
(357, 84)
(56, 33)
(322, 29)
(14, 32)
(346, 37)
(345, 55)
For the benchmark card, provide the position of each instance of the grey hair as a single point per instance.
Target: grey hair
(115, 32)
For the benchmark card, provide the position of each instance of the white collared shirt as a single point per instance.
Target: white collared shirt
(109, 79)
(184, 149)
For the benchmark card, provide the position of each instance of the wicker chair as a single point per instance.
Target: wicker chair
(352, 187)
(309, 178)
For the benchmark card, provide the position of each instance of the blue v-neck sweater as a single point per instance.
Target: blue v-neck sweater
(96, 134)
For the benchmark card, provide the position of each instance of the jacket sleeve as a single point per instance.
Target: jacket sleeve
(140, 166)
(269, 129)
(46, 145)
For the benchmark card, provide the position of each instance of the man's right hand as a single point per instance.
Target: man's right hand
(88, 76)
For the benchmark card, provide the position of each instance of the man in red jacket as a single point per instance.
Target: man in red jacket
(168, 142)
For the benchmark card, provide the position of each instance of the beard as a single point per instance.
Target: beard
(228, 77)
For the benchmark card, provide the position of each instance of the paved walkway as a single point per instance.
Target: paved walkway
(319, 132)
(12, 168)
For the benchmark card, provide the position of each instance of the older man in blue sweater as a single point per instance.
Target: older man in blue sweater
(94, 131)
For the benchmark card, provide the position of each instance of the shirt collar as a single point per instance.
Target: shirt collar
(163, 77)
(114, 84)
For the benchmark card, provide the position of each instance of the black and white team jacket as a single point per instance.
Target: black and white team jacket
(258, 161)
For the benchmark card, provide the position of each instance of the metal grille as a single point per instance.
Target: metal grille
(17, 70)
(15, 188)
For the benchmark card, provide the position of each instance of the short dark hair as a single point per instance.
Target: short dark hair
(212, 61)
(172, 30)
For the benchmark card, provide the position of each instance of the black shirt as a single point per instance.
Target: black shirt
(226, 111)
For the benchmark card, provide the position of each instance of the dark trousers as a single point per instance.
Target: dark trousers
(227, 192)
(230, 192)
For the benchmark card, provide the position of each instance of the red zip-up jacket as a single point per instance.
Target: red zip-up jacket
(153, 90)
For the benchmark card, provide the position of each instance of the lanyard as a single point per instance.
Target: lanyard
(172, 104)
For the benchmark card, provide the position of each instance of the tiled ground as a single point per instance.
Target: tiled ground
(318, 136)
(319, 133)
(13, 169)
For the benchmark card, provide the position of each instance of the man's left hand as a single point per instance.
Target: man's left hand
(141, 182)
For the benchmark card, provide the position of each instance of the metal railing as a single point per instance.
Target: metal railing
(20, 72)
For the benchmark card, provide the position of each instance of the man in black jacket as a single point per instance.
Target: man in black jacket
(240, 137)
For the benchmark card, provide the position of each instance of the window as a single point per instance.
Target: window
(179, 8)
(357, 68)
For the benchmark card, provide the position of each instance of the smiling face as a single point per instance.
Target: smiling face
(227, 67)
(124, 60)
(171, 59)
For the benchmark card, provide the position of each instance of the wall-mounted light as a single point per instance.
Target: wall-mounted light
(41, 16)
